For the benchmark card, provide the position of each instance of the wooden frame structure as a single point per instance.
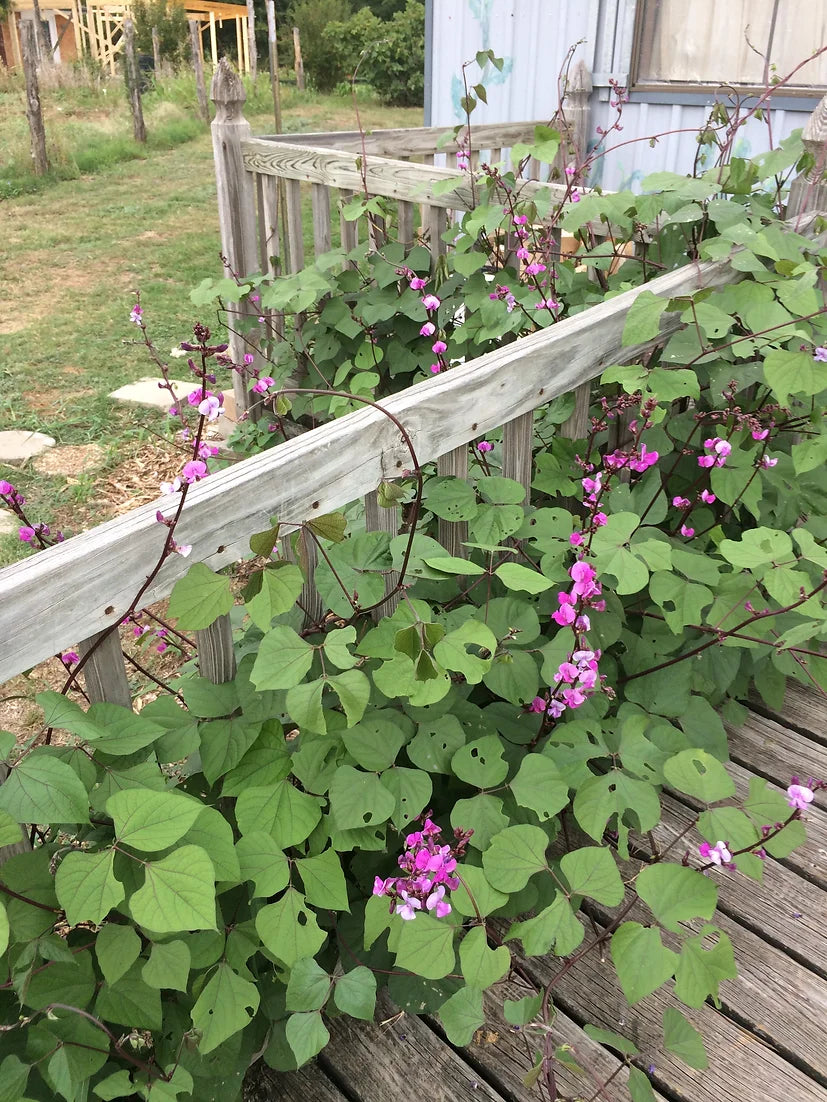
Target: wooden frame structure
(97, 27)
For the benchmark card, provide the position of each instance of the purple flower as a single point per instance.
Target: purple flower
(718, 854)
(687, 531)
(261, 386)
(171, 487)
(760, 434)
(428, 329)
(799, 795)
(706, 460)
(248, 358)
(520, 219)
(430, 302)
(417, 283)
(820, 355)
(534, 268)
(194, 470)
(182, 549)
(439, 347)
(137, 315)
(576, 538)
(484, 446)
(408, 907)
(435, 369)
(537, 705)
(27, 533)
(767, 462)
(435, 902)
(210, 408)
(707, 498)
(6, 488)
(70, 657)
(556, 708)
(681, 502)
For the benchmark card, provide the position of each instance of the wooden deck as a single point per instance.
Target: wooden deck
(767, 1043)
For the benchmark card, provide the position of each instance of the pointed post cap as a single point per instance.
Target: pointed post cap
(227, 93)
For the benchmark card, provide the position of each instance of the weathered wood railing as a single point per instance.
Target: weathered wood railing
(78, 589)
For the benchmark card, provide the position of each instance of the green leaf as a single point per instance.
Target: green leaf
(481, 762)
(643, 318)
(168, 966)
(514, 576)
(592, 871)
(682, 602)
(262, 543)
(426, 947)
(178, 893)
(261, 861)
(151, 821)
(452, 653)
(227, 1004)
(540, 786)
(288, 815)
(324, 881)
(289, 930)
(281, 586)
(283, 659)
(435, 744)
(514, 856)
(610, 545)
(307, 1035)
(522, 1011)
(355, 993)
(449, 564)
(224, 742)
(308, 986)
(331, 526)
(699, 774)
(375, 742)
(462, 1015)
(793, 373)
(9, 829)
(117, 949)
(639, 1086)
(86, 886)
(353, 690)
(130, 1002)
(682, 1039)
(612, 1040)
(483, 814)
(451, 499)
(14, 1075)
(474, 894)
(703, 964)
(359, 799)
(4, 929)
(641, 960)
(43, 789)
(481, 965)
(199, 598)
(109, 727)
(676, 894)
(412, 790)
(615, 793)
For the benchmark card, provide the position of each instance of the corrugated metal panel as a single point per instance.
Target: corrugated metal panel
(533, 36)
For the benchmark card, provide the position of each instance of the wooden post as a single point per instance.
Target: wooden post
(578, 94)
(34, 112)
(216, 657)
(252, 52)
(156, 50)
(808, 191)
(236, 200)
(274, 62)
(298, 64)
(42, 45)
(76, 28)
(213, 40)
(133, 81)
(198, 69)
(104, 673)
(14, 28)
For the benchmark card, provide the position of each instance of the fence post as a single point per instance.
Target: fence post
(808, 190)
(198, 69)
(272, 43)
(216, 657)
(156, 51)
(299, 64)
(133, 81)
(236, 202)
(34, 112)
(251, 38)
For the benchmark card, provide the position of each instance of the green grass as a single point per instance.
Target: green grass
(73, 253)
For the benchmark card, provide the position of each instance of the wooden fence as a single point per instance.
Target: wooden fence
(76, 590)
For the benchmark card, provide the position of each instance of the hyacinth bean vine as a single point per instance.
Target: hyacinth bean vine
(431, 800)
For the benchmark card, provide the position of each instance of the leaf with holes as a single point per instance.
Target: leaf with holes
(699, 774)
(227, 1004)
(452, 652)
(540, 786)
(284, 812)
(481, 762)
(289, 930)
(359, 799)
(412, 791)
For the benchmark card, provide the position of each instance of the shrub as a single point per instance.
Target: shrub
(395, 64)
(322, 63)
(350, 40)
(170, 19)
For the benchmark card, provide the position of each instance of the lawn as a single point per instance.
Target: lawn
(73, 253)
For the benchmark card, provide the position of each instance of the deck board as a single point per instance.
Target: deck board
(776, 752)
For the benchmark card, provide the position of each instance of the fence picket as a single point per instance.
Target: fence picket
(104, 673)
(378, 519)
(216, 657)
(452, 534)
(320, 198)
(295, 234)
(405, 219)
(436, 223)
(517, 440)
(349, 229)
(267, 194)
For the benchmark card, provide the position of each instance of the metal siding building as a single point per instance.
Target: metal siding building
(533, 37)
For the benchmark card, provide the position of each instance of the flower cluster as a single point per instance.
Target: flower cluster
(719, 854)
(800, 796)
(428, 873)
(718, 449)
(502, 293)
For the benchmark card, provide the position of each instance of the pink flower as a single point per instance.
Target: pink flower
(195, 396)
(534, 268)
(570, 170)
(417, 283)
(248, 358)
(588, 679)
(161, 648)
(173, 411)
(182, 549)
(718, 854)
(583, 623)
(26, 533)
(573, 698)
(575, 195)
(439, 347)
(207, 451)
(799, 795)
(435, 902)
(428, 329)
(680, 502)
(523, 253)
(6, 488)
(435, 369)
(261, 386)
(380, 886)
(210, 407)
(137, 315)
(760, 434)
(647, 459)
(547, 304)
(537, 705)
(520, 219)
(820, 355)
(564, 616)
(194, 470)
(583, 575)
(408, 907)
(707, 498)
(567, 672)
(720, 447)
(70, 657)
(706, 460)
(687, 531)
(767, 462)
(556, 708)
(576, 538)
(430, 302)
(171, 487)
(484, 446)
(600, 520)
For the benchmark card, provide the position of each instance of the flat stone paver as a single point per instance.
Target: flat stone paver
(146, 392)
(8, 522)
(18, 445)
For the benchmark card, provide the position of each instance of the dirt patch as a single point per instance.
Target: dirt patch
(135, 481)
(70, 460)
(51, 399)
